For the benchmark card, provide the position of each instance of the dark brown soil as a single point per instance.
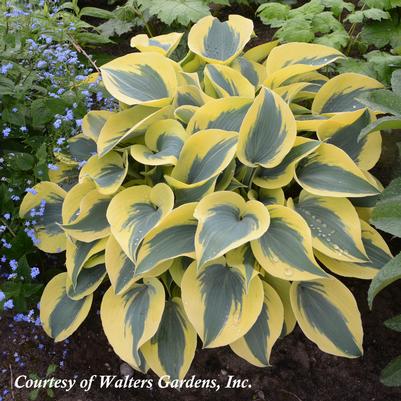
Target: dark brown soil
(299, 372)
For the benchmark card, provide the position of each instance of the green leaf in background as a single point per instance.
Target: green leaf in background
(383, 100)
(382, 33)
(387, 214)
(396, 82)
(43, 110)
(23, 161)
(391, 374)
(170, 11)
(89, 38)
(116, 27)
(336, 39)
(356, 66)
(387, 275)
(394, 323)
(273, 14)
(95, 13)
(384, 123)
(371, 13)
(383, 4)
(297, 29)
(338, 6)
(6, 86)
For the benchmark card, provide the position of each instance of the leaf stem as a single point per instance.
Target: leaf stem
(252, 176)
(82, 51)
(8, 227)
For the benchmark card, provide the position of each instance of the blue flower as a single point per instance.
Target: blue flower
(8, 304)
(41, 64)
(5, 243)
(31, 191)
(57, 123)
(5, 68)
(35, 272)
(7, 216)
(13, 264)
(52, 167)
(2, 296)
(6, 132)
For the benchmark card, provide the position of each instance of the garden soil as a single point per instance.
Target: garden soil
(299, 371)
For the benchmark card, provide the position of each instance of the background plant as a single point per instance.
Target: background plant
(386, 215)
(370, 30)
(249, 144)
(44, 93)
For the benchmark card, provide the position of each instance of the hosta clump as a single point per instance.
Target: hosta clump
(211, 197)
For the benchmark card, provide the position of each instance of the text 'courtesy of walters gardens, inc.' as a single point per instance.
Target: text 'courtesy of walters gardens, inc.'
(118, 382)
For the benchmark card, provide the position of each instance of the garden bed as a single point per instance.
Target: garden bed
(299, 371)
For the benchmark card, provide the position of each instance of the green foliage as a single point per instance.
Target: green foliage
(43, 97)
(387, 213)
(385, 101)
(308, 22)
(391, 272)
(34, 394)
(170, 11)
(339, 24)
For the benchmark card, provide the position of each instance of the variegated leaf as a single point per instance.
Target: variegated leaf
(140, 78)
(123, 127)
(256, 345)
(204, 156)
(59, 314)
(329, 171)
(268, 131)
(225, 114)
(171, 350)
(343, 130)
(227, 212)
(44, 203)
(285, 249)
(133, 212)
(377, 251)
(78, 253)
(220, 42)
(282, 175)
(328, 315)
(173, 237)
(108, 172)
(335, 226)
(222, 81)
(340, 94)
(217, 303)
(93, 123)
(90, 222)
(163, 44)
(163, 143)
(130, 320)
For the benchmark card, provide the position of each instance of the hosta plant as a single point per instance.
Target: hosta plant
(217, 202)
